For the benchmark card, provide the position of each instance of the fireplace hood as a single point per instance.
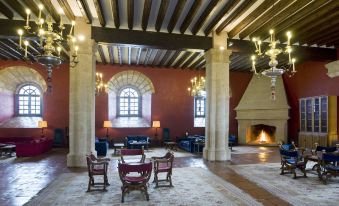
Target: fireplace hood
(256, 107)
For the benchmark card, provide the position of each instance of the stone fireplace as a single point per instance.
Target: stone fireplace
(262, 121)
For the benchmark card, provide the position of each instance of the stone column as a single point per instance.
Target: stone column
(82, 99)
(217, 100)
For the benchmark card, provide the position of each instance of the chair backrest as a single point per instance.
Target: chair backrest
(327, 149)
(140, 168)
(130, 152)
(288, 153)
(328, 157)
(287, 146)
(166, 134)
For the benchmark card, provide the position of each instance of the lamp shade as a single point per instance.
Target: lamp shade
(42, 124)
(156, 124)
(107, 124)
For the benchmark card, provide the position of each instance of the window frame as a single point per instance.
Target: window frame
(129, 102)
(17, 99)
(196, 100)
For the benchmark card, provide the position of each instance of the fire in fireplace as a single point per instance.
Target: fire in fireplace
(261, 134)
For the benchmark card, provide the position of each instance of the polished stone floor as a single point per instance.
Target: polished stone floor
(22, 178)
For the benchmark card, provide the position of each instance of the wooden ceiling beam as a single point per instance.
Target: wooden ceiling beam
(51, 10)
(150, 39)
(182, 59)
(292, 11)
(6, 11)
(204, 16)
(310, 18)
(266, 17)
(129, 55)
(325, 29)
(165, 57)
(161, 14)
(147, 57)
(175, 15)
(139, 56)
(85, 11)
(115, 11)
(201, 65)
(189, 17)
(100, 12)
(130, 13)
(197, 62)
(67, 9)
(224, 11)
(120, 55)
(101, 54)
(172, 59)
(250, 18)
(111, 54)
(190, 60)
(236, 14)
(16, 6)
(145, 14)
(157, 53)
(5, 51)
(324, 39)
(13, 52)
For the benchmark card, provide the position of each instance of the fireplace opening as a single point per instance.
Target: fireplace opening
(260, 134)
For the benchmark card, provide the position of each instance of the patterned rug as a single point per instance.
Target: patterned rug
(251, 149)
(192, 186)
(300, 191)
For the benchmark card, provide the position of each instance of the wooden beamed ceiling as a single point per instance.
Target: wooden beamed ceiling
(174, 33)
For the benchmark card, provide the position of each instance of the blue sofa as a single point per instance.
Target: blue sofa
(140, 139)
(187, 143)
(101, 146)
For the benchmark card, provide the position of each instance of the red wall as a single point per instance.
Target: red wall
(55, 108)
(7, 101)
(171, 104)
(310, 80)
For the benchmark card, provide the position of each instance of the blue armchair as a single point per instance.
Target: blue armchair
(187, 143)
(137, 141)
(101, 146)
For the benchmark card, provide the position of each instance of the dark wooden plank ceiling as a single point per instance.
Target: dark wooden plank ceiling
(313, 23)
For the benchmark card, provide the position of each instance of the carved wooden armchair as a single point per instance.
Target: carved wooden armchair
(329, 166)
(134, 177)
(316, 156)
(97, 167)
(163, 165)
(132, 152)
(292, 160)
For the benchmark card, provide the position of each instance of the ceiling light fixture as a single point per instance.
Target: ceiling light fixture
(50, 42)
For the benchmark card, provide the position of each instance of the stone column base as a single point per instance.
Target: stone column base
(76, 160)
(217, 155)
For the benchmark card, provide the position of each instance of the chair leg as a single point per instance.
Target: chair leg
(156, 180)
(122, 194)
(89, 184)
(170, 180)
(294, 173)
(146, 193)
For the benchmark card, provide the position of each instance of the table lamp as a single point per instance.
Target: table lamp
(107, 124)
(156, 125)
(42, 125)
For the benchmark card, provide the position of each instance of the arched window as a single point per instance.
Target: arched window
(129, 103)
(29, 100)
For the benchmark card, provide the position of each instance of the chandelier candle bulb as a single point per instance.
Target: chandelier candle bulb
(70, 32)
(76, 48)
(26, 44)
(20, 32)
(41, 7)
(289, 36)
(28, 12)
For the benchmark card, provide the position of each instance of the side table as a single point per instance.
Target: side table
(117, 146)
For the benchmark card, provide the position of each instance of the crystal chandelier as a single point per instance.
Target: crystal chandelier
(100, 86)
(50, 41)
(197, 87)
(272, 52)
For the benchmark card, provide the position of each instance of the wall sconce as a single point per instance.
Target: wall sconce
(156, 125)
(107, 124)
(42, 125)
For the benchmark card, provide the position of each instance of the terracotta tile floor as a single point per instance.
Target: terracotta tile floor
(22, 178)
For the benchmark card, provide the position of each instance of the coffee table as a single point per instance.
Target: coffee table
(139, 144)
(171, 145)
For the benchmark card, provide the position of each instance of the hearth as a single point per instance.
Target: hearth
(262, 121)
(260, 134)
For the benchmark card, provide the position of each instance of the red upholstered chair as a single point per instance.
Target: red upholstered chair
(133, 152)
(163, 165)
(97, 167)
(134, 177)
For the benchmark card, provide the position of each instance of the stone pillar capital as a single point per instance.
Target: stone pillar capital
(215, 55)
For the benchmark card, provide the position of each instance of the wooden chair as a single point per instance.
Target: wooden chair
(134, 177)
(292, 160)
(316, 156)
(163, 165)
(97, 167)
(329, 166)
(132, 152)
